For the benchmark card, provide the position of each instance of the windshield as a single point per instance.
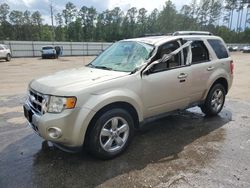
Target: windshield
(48, 48)
(123, 56)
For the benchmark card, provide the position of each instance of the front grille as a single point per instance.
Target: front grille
(37, 102)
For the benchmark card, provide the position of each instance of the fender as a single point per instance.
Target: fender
(219, 73)
(97, 101)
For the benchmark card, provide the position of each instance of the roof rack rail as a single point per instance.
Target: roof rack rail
(192, 33)
(152, 34)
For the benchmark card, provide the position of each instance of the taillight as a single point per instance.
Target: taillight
(232, 67)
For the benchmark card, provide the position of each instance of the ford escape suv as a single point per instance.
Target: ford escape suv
(100, 105)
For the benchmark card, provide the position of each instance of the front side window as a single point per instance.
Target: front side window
(219, 48)
(123, 56)
(173, 62)
(199, 52)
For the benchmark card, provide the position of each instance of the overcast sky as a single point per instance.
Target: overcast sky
(100, 5)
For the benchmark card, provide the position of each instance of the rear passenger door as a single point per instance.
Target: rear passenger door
(201, 69)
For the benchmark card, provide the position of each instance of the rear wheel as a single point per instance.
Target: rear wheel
(8, 57)
(111, 134)
(214, 101)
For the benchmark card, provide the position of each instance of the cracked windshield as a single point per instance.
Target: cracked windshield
(123, 56)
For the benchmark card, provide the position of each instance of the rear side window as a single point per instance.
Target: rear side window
(199, 52)
(219, 48)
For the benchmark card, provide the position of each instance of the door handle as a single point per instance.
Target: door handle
(210, 68)
(182, 75)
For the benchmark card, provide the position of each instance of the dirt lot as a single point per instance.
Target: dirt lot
(182, 150)
(15, 75)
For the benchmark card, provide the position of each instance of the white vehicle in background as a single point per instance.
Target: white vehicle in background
(5, 52)
(48, 52)
(246, 49)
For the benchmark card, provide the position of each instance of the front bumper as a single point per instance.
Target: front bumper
(71, 123)
(48, 55)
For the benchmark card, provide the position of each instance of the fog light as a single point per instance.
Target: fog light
(54, 132)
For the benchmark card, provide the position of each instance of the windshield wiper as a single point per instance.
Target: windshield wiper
(100, 67)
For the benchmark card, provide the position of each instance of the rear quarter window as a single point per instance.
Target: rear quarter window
(219, 48)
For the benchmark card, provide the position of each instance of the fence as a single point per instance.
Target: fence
(33, 48)
(240, 46)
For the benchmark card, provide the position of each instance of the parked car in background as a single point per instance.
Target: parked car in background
(48, 52)
(5, 52)
(246, 49)
(233, 48)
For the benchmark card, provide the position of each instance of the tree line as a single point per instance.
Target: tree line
(86, 24)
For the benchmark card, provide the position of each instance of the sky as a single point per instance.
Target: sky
(100, 5)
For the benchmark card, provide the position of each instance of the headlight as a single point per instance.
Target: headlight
(58, 104)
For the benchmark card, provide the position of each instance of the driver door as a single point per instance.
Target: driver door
(166, 87)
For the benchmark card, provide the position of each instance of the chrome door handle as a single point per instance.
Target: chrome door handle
(210, 68)
(182, 75)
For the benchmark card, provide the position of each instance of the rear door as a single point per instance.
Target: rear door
(201, 69)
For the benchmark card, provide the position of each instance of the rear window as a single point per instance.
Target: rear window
(219, 48)
(48, 48)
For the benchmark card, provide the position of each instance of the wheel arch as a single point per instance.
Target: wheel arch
(118, 104)
(221, 80)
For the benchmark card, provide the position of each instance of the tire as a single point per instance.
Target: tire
(215, 100)
(8, 57)
(110, 134)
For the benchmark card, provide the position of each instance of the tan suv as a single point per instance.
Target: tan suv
(100, 105)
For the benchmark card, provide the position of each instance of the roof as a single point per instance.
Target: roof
(48, 46)
(159, 40)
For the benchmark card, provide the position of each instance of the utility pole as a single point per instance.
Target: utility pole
(52, 20)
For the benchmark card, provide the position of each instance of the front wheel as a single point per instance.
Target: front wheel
(8, 57)
(110, 134)
(214, 101)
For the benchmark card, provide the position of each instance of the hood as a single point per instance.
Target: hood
(73, 80)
